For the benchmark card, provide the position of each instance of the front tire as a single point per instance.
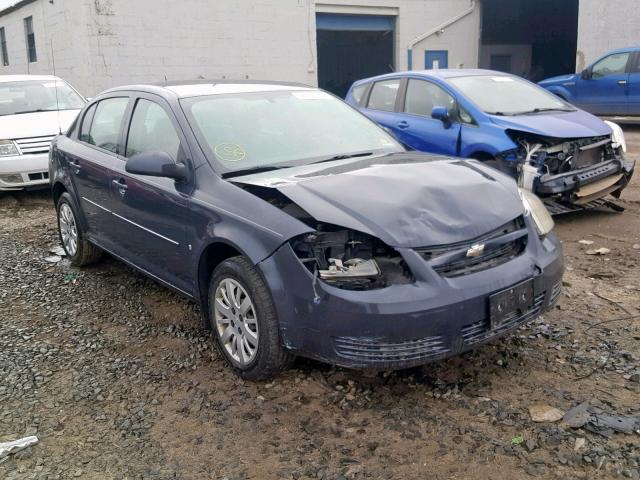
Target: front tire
(72, 237)
(244, 321)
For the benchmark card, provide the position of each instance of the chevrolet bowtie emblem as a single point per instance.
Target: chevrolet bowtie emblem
(475, 250)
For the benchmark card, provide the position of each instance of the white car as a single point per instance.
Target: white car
(33, 110)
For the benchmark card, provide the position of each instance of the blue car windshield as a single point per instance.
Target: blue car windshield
(263, 130)
(508, 95)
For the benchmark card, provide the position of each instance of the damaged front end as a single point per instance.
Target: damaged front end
(574, 171)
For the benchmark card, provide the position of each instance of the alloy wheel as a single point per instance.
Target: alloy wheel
(68, 229)
(236, 321)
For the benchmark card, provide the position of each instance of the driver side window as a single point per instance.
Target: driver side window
(611, 65)
(422, 96)
(151, 130)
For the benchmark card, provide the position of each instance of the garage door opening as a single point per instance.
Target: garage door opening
(351, 47)
(533, 39)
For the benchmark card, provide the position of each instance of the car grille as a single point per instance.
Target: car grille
(34, 145)
(371, 350)
(480, 331)
(491, 257)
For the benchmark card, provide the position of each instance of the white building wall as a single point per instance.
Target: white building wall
(606, 25)
(103, 43)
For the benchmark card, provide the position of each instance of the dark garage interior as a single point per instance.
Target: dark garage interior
(550, 27)
(351, 47)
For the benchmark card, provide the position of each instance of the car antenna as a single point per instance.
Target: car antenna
(55, 83)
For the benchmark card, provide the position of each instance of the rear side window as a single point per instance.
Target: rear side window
(423, 96)
(383, 95)
(86, 124)
(358, 93)
(636, 66)
(151, 130)
(611, 65)
(107, 120)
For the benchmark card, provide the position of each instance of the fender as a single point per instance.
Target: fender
(562, 92)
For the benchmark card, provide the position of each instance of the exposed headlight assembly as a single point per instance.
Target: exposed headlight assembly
(533, 206)
(8, 148)
(617, 136)
(350, 260)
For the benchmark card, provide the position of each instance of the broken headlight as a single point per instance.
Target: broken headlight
(350, 260)
(8, 148)
(617, 136)
(533, 206)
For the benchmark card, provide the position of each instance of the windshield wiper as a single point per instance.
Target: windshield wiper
(540, 110)
(39, 110)
(247, 171)
(343, 157)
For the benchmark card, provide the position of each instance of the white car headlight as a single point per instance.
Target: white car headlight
(617, 137)
(8, 148)
(534, 207)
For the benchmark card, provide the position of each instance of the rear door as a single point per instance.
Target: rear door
(91, 161)
(605, 92)
(633, 89)
(382, 102)
(151, 211)
(415, 126)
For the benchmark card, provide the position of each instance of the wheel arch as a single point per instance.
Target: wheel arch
(57, 190)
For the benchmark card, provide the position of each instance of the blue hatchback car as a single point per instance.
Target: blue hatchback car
(551, 148)
(300, 226)
(609, 86)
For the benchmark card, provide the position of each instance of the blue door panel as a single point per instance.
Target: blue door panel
(436, 59)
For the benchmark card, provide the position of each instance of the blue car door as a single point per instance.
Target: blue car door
(416, 127)
(152, 211)
(604, 90)
(633, 89)
(382, 102)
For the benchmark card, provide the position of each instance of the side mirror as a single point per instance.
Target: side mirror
(156, 164)
(442, 114)
(586, 74)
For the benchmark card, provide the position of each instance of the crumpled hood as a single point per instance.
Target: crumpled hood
(39, 124)
(405, 200)
(576, 124)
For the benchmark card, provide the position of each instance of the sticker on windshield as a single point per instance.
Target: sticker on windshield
(311, 95)
(229, 152)
(502, 79)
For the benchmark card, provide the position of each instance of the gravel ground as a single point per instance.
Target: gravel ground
(118, 380)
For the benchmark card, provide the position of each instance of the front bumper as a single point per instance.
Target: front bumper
(571, 184)
(24, 171)
(404, 325)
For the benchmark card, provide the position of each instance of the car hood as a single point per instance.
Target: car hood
(405, 200)
(576, 124)
(40, 124)
(558, 80)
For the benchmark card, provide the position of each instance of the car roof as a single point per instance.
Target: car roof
(195, 88)
(442, 74)
(26, 78)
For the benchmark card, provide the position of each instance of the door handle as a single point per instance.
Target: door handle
(622, 82)
(403, 124)
(75, 166)
(120, 185)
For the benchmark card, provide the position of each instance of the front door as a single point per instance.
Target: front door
(605, 91)
(418, 129)
(151, 211)
(436, 59)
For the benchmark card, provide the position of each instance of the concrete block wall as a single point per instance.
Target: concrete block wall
(103, 43)
(604, 26)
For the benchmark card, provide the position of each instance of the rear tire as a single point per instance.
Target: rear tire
(72, 236)
(244, 321)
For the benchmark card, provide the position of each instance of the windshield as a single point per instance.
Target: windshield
(264, 130)
(38, 96)
(507, 95)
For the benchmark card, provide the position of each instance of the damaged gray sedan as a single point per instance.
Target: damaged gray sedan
(300, 226)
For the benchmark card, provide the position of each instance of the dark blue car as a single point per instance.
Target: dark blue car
(609, 86)
(550, 147)
(300, 226)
